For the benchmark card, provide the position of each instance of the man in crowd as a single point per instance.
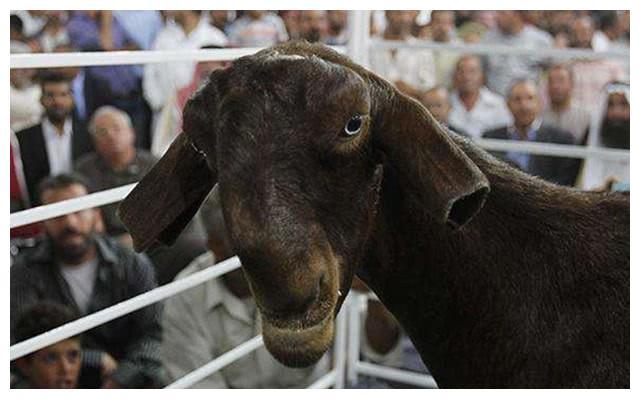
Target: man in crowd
(81, 268)
(525, 105)
(443, 30)
(118, 162)
(50, 147)
(512, 31)
(24, 108)
(161, 81)
(314, 25)
(436, 100)
(117, 85)
(411, 71)
(257, 28)
(614, 132)
(337, 32)
(474, 108)
(56, 366)
(212, 318)
(561, 111)
(589, 75)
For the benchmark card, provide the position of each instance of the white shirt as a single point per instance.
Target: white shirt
(58, 147)
(81, 280)
(415, 67)
(489, 112)
(161, 79)
(25, 109)
(208, 320)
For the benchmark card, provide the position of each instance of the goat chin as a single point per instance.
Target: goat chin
(298, 347)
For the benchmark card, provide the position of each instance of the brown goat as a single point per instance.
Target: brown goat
(499, 278)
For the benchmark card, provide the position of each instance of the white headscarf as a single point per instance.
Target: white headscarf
(596, 172)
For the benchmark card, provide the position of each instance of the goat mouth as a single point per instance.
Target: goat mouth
(298, 347)
(300, 340)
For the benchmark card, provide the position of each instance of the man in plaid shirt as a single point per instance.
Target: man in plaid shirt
(77, 266)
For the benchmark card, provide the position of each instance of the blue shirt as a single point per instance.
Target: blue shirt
(84, 34)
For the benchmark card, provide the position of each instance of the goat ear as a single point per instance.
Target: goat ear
(438, 175)
(167, 198)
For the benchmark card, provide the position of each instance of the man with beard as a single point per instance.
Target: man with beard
(50, 147)
(314, 25)
(78, 267)
(601, 174)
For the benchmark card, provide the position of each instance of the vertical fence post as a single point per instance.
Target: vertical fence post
(353, 345)
(358, 45)
(340, 348)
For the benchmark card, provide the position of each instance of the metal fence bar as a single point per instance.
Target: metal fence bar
(497, 49)
(555, 150)
(354, 304)
(97, 58)
(120, 309)
(340, 348)
(45, 212)
(404, 376)
(218, 363)
(324, 382)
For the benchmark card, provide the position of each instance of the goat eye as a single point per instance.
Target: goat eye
(353, 126)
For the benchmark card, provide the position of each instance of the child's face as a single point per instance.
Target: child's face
(56, 366)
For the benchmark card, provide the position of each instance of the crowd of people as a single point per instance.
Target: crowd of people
(76, 130)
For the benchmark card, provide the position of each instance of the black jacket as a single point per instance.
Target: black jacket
(133, 340)
(557, 170)
(35, 161)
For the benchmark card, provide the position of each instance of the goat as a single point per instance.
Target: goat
(499, 278)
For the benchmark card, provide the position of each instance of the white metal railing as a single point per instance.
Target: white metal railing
(65, 207)
(502, 49)
(216, 364)
(357, 304)
(346, 361)
(97, 58)
(120, 309)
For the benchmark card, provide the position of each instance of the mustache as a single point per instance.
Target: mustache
(69, 232)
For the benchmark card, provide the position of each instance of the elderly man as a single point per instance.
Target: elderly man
(525, 105)
(562, 111)
(118, 162)
(474, 108)
(79, 267)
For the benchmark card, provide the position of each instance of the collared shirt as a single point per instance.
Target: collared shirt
(489, 112)
(208, 320)
(523, 158)
(133, 340)
(58, 146)
(160, 80)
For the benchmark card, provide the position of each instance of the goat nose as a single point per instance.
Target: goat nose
(294, 298)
